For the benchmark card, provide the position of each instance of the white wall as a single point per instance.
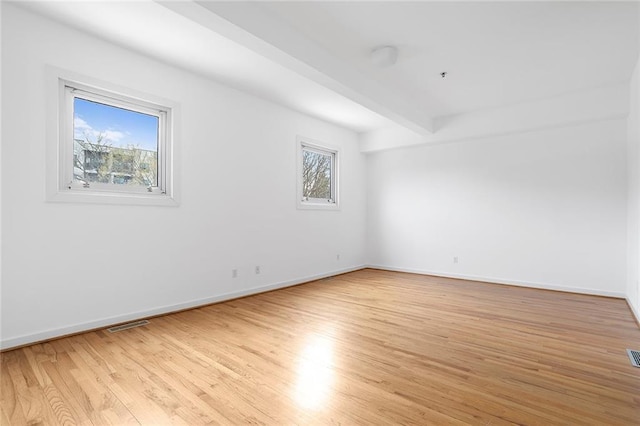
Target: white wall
(68, 267)
(1, 238)
(633, 193)
(544, 208)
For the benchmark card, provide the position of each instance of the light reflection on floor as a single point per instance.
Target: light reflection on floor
(315, 372)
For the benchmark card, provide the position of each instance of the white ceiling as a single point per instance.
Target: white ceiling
(314, 56)
(495, 53)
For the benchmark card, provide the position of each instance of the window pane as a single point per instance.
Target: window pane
(114, 145)
(316, 175)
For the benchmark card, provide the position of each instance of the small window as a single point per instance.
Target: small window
(111, 144)
(317, 176)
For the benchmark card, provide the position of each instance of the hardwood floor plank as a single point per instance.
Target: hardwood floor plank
(69, 395)
(63, 415)
(368, 347)
(11, 408)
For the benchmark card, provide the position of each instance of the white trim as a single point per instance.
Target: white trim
(102, 96)
(633, 309)
(58, 176)
(111, 197)
(321, 148)
(107, 322)
(491, 280)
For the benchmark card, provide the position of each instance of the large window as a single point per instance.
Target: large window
(112, 146)
(317, 175)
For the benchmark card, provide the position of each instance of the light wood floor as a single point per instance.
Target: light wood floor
(369, 347)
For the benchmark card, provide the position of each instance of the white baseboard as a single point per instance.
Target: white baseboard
(634, 311)
(107, 322)
(493, 280)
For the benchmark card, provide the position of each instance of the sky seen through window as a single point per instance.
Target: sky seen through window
(120, 127)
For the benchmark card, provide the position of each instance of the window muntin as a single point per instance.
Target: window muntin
(113, 143)
(317, 177)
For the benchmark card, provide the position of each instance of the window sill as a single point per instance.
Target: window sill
(115, 198)
(317, 206)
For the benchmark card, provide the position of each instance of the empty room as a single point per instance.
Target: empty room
(355, 213)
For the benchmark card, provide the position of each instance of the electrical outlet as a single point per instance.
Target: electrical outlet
(337, 257)
(455, 259)
(257, 270)
(234, 273)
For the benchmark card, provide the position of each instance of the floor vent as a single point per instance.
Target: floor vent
(127, 326)
(634, 356)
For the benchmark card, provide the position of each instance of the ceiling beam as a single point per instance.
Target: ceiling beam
(246, 25)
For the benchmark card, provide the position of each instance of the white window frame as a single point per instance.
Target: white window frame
(61, 186)
(305, 144)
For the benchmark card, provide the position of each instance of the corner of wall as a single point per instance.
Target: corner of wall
(633, 194)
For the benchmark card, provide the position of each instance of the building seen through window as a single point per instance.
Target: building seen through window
(101, 163)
